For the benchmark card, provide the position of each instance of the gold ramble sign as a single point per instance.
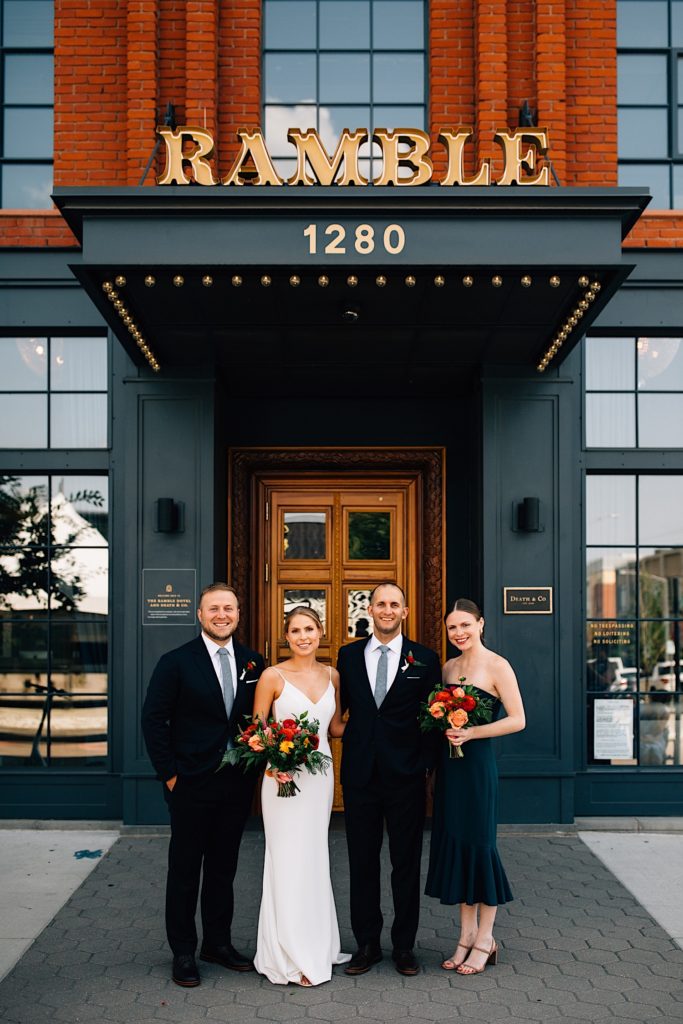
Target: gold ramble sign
(405, 158)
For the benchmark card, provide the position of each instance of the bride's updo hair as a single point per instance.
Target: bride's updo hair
(463, 604)
(303, 609)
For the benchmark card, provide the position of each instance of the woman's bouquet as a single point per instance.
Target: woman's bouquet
(454, 707)
(287, 747)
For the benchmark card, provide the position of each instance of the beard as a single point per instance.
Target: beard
(219, 638)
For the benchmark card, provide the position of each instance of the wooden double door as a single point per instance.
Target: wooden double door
(324, 541)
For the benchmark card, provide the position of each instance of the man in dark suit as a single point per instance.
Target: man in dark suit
(197, 698)
(384, 764)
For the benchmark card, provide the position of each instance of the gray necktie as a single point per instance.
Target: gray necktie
(226, 676)
(381, 680)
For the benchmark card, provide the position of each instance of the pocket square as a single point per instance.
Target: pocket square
(412, 677)
(250, 682)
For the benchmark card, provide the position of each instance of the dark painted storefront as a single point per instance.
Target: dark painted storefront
(435, 348)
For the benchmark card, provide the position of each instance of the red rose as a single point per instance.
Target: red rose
(410, 659)
(469, 703)
(313, 740)
(289, 723)
(442, 695)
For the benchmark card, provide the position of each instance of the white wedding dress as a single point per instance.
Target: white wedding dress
(298, 932)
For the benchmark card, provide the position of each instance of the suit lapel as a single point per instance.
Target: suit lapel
(203, 659)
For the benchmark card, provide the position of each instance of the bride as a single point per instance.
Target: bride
(298, 935)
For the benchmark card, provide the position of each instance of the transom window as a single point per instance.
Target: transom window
(27, 97)
(53, 392)
(634, 392)
(334, 64)
(650, 98)
(634, 605)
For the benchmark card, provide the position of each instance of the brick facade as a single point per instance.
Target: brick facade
(119, 62)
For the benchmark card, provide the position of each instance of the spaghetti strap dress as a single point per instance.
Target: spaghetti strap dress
(298, 931)
(464, 865)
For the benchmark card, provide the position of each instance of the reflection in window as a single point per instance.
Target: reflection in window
(315, 599)
(333, 65)
(304, 535)
(53, 392)
(358, 621)
(649, 105)
(53, 620)
(370, 535)
(634, 603)
(26, 45)
(634, 392)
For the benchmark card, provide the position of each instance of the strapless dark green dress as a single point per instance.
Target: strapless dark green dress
(464, 866)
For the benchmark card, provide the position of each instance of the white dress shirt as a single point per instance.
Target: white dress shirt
(372, 656)
(213, 650)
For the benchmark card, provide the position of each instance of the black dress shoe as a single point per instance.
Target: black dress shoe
(226, 956)
(185, 971)
(405, 961)
(363, 959)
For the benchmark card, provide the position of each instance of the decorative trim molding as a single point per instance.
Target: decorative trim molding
(246, 463)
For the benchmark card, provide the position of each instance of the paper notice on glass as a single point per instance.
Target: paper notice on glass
(613, 729)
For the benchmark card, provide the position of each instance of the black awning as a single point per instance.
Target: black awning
(457, 276)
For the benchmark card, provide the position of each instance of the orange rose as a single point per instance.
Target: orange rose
(255, 743)
(459, 692)
(458, 718)
(437, 709)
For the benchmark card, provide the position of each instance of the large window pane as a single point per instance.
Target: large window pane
(334, 119)
(26, 186)
(610, 421)
(393, 117)
(677, 23)
(610, 510)
(78, 364)
(609, 364)
(661, 576)
(344, 78)
(611, 656)
(24, 582)
(660, 364)
(660, 729)
(28, 133)
(28, 78)
(78, 422)
(290, 78)
(660, 421)
(398, 26)
(280, 119)
(23, 421)
(79, 582)
(610, 583)
(642, 25)
(28, 23)
(642, 79)
(23, 364)
(344, 25)
(398, 78)
(643, 130)
(661, 502)
(289, 25)
(652, 176)
(304, 535)
(80, 510)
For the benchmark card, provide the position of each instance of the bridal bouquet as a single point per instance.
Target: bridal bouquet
(286, 747)
(454, 707)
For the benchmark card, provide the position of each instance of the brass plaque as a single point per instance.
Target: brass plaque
(528, 600)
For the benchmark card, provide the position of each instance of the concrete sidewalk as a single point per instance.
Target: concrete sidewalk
(576, 946)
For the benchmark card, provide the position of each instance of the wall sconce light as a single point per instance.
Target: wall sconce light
(170, 516)
(526, 516)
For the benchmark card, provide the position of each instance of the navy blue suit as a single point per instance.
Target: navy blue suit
(186, 730)
(384, 762)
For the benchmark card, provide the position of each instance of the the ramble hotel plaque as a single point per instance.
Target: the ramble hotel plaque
(169, 597)
(528, 600)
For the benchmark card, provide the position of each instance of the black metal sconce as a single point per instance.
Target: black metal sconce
(526, 516)
(170, 516)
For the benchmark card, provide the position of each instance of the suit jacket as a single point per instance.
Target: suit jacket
(388, 737)
(184, 722)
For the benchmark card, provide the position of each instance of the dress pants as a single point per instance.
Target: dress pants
(402, 805)
(208, 815)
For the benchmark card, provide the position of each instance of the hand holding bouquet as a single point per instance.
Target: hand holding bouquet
(287, 747)
(455, 707)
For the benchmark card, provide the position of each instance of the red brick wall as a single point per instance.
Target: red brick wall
(119, 62)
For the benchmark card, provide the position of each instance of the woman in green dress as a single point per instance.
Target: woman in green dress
(464, 866)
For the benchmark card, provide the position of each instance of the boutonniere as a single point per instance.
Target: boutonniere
(249, 666)
(411, 662)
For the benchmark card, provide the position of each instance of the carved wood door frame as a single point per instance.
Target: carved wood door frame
(247, 464)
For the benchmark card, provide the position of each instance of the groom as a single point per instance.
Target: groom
(197, 697)
(384, 764)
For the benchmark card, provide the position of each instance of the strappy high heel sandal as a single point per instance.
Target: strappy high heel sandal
(492, 958)
(450, 964)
